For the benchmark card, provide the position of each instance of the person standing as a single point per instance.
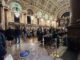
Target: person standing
(17, 35)
(25, 33)
(39, 34)
(2, 46)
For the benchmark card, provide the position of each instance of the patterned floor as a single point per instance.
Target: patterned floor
(37, 52)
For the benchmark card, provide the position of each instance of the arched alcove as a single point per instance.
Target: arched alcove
(65, 19)
(29, 11)
(66, 14)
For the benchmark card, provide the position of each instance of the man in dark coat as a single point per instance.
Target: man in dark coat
(25, 33)
(17, 35)
(10, 35)
(2, 46)
(39, 34)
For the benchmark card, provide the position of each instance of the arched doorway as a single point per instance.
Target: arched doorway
(30, 13)
(16, 19)
(65, 14)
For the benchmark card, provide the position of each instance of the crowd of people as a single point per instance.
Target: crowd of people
(7, 38)
(11, 36)
(51, 36)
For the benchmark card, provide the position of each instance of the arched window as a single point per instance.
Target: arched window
(28, 19)
(16, 19)
(66, 14)
(30, 12)
(66, 18)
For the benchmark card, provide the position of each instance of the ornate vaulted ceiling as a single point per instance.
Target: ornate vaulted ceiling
(52, 7)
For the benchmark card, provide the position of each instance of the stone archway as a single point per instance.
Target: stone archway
(65, 14)
(61, 10)
(66, 17)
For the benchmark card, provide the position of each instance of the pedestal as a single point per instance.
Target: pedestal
(74, 37)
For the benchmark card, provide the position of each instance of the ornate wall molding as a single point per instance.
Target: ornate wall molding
(56, 6)
(61, 10)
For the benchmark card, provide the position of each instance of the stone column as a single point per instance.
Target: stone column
(2, 14)
(38, 21)
(6, 22)
(25, 19)
(74, 29)
(75, 6)
(3, 18)
(0, 11)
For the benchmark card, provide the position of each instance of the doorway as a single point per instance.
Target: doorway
(28, 20)
(16, 19)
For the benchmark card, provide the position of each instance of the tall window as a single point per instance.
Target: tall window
(28, 19)
(16, 19)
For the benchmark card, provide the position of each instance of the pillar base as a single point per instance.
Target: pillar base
(74, 37)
